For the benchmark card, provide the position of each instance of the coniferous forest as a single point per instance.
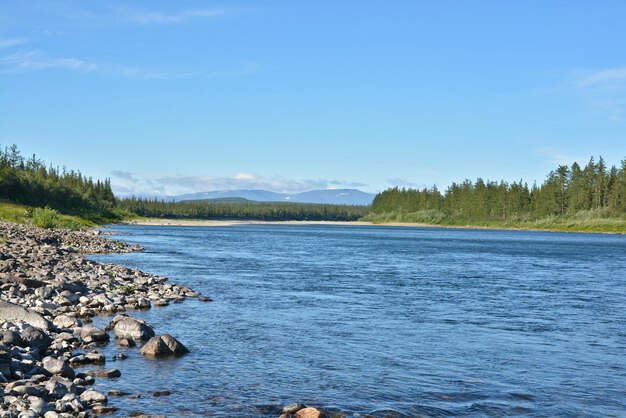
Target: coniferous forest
(590, 197)
(267, 211)
(28, 181)
(573, 195)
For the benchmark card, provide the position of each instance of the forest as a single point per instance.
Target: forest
(27, 181)
(589, 198)
(568, 194)
(267, 211)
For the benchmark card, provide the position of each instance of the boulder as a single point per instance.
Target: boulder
(309, 413)
(91, 333)
(11, 312)
(36, 338)
(163, 345)
(66, 321)
(57, 387)
(292, 409)
(175, 346)
(104, 373)
(92, 397)
(133, 329)
(10, 338)
(38, 405)
(58, 366)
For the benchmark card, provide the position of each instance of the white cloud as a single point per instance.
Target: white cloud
(126, 184)
(602, 78)
(400, 182)
(145, 17)
(557, 157)
(22, 62)
(35, 60)
(604, 90)
(9, 42)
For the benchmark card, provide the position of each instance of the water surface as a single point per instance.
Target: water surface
(382, 321)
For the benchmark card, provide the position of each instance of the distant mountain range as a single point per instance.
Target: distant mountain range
(328, 196)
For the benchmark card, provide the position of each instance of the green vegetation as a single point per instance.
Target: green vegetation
(42, 217)
(591, 199)
(246, 209)
(49, 197)
(29, 182)
(126, 289)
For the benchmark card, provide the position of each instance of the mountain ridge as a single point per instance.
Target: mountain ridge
(323, 196)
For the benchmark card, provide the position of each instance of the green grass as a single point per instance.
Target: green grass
(585, 221)
(50, 218)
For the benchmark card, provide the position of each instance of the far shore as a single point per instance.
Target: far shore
(221, 223)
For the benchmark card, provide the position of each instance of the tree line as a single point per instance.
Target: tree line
(29, 182)
(250, 210)
(566, 191)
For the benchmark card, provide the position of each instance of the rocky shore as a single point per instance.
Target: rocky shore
(48, 293)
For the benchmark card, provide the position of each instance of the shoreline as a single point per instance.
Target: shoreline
(48, 344)
(226, 223)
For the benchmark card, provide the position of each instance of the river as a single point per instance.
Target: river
(386, 321)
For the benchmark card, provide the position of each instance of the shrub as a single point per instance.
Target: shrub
(44, 218)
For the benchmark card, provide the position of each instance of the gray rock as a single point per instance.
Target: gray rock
(133, 329)
(105, 373)
(66, 321)
(163, 345)
(38, 405)
(90, 333)
(36, 338)
(58, 387)
(175, 346)
(103, 410)
(58, 366)
(91, 397)
(11, 312)
(293, 408)
(155, 347)
(10, 338)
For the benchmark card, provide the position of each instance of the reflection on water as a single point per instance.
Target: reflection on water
(382, 321)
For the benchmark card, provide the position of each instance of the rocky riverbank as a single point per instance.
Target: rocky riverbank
(48, 293)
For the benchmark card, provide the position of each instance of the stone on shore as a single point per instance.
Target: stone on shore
(12, 312)
(90, 333)
(36, 338)
(58, 366)
(66, 321)
(133, 329)
(105, 373)
(92, 397)
(293, 408)
(309, 413)
(163, 345)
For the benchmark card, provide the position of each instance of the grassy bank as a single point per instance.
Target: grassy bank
(50, 218)
(602, 221)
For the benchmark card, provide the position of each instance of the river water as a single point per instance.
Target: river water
(385, 321)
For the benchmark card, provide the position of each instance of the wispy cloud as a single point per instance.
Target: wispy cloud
(22, 62)
(602, 78)
(400, 182)
(604, 90)
(35, 60)
(125, 184)
(145, 17)
(124, 175)
(10, 42)
(556, 157)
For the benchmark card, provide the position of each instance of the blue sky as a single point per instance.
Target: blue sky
(168, 97)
